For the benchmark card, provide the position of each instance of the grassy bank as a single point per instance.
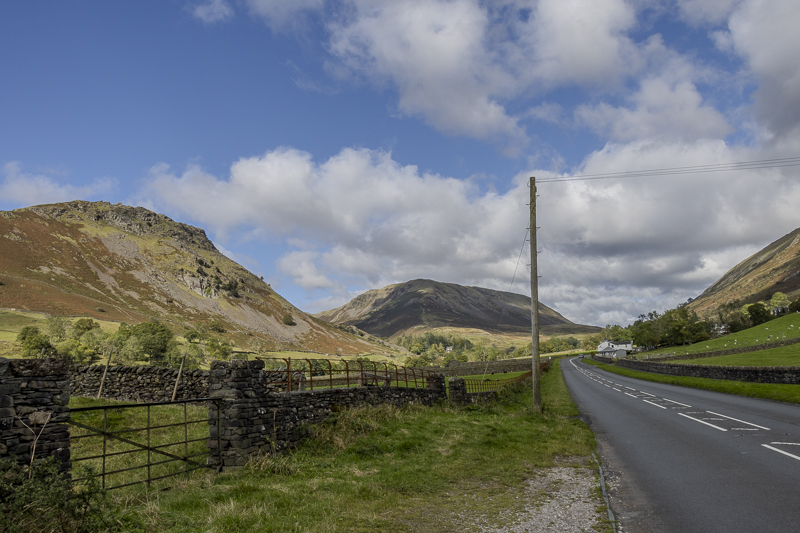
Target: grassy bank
(769, 391)
(785, 327)
(783, 356)
(381, 469)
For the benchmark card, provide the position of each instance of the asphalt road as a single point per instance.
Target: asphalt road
(680, 459)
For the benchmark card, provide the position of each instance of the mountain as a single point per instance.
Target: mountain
(776, 268)
(121, 263)
(423, 304)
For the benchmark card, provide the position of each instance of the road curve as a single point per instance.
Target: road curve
(682, 459)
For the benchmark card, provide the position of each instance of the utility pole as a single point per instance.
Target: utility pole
(537, 388)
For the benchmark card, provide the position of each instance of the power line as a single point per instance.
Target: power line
(722, 167)
(518, 258)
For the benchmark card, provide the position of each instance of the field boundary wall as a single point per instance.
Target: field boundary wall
(789, 375)
(34, 401)
(729, 351)
(255, 421)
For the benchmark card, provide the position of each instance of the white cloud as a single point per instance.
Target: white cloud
(764, 33)
(702, 12)
(213, 11)
(301, 268)
(434, 53)
(612, 249)
(666, 106)
(31, 189)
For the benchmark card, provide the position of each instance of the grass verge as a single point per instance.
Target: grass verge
(382, 468)
(783, 356)
(768, 391)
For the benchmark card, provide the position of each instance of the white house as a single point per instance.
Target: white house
(608, 345)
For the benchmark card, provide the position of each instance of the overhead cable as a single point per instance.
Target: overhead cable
(722, 167)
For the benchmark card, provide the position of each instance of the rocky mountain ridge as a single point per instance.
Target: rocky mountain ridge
(130, 264)
(419, 305)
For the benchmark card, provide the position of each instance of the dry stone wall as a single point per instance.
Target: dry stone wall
(459, 395)
(138, 383)
(34, 393)
(253, 420)
(789, 375)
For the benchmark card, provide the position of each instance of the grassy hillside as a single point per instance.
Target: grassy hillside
(127, 264)
(785, 327)
(776, 268)
(784, 356)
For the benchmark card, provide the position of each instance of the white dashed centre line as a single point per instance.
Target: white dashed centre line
(679, 403)
(631, 395)
(793, 456)
(736, 419)
(701, 421)
(651, 403)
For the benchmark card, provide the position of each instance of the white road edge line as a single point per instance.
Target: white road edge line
(702, 422)
(793, 456)
(679, 403)
(742, 421)
(651, 403)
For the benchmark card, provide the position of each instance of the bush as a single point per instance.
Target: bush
(45, 499)
(288, 319)
(34, 343)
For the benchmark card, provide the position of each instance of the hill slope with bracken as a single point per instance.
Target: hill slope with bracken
(776, 268)
(420, 305)
(115, 262)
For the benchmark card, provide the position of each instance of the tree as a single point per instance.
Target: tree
(795, 307)
(34, 342)
(758, 314)
(156, 339)
(57, 328)
(82, 325)
(779, 300)
(219, 350)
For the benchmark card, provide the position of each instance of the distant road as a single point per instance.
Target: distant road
(686, 460)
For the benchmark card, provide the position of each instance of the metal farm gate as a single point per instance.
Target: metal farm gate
(142, 443)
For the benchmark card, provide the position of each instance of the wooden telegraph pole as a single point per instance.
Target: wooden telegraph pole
(537, 389)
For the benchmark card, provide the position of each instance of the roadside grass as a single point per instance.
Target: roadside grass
(787, 325)
(768, 391)
(783, 356)
(420, 469)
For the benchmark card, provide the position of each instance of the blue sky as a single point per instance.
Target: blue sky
(340, 146)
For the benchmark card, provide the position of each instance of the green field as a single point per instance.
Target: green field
(783, 356)
(416, 469)
(785, 327)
